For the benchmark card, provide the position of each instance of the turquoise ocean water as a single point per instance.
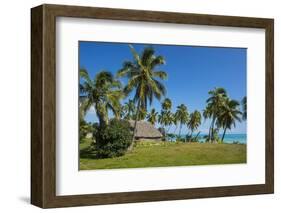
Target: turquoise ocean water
(230, 138)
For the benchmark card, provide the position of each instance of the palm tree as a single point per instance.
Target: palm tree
(143, 79)
(161, 119)
(169, 119)
(167, 104)
(181, 116)
(229, 114)
(152, 116)
(167, 114)
(83, 103)
(142, 114)
(194, 122)
(207, 113)
(244, 108)
(175, 122)
(129, 110)
(103, 92)
(214, 103)
(165, 118)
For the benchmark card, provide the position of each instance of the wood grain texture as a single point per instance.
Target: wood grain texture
(36, 106)
(43, 105)
(269, 106)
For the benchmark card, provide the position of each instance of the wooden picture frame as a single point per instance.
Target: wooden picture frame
(43, 105)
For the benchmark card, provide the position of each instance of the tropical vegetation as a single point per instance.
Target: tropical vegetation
(115, 103)
(144, 80)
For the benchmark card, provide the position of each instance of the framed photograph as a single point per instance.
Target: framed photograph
(137, 106)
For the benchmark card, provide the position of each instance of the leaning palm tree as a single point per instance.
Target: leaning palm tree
(214, 103)
(152, 116)
(143, 78)
(103, 93)
(244, 108)
(182, 116)
(228, 115)
(194, 122)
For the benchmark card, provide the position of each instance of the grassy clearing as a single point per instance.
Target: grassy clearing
(161, 154)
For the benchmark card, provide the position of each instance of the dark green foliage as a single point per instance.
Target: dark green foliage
(113, 140)
(244, 108)
(84, 129)
(163, 132)
(95, 129)
(180, 139)
(192, 138)
(171, 137)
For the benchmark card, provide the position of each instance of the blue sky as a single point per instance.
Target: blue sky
(192, 72)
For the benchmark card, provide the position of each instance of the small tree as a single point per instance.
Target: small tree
(194, 122)
(182, 116)
(113, 140)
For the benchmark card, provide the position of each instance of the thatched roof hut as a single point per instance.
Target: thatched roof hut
(146, 131)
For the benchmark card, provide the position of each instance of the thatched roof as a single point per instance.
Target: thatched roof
(145, 130)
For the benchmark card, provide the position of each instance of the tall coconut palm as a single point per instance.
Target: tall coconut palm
(182, 116)
(144, 79)
(103, 93)
(214, 103)
(244, 108)
(228, 115)
(194, 122)
(129, 110)
(152, 116)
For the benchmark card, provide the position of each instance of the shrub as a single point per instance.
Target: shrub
(84, 129)
(113, 140)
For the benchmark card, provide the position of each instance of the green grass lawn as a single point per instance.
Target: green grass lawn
(162, 154)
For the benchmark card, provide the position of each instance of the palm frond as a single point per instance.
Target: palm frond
(160, 74)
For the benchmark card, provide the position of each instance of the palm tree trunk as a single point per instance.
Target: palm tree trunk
(102, 121)
(180, 130)
(212, 129)
(168, 129)
(223, 135)
(175, 129)
(197, 136)
(135, 127)
(190, 136)
(210, 136)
